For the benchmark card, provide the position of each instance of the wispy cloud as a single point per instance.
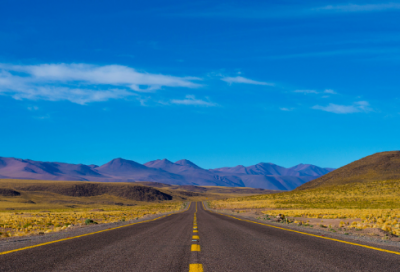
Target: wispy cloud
(327, 91)
(82, 83)
(286, 109)
(306, 91)
(282, 10)
(244, 80)
(359, 8)
(33, 108)
(192, 100)
(360, 106)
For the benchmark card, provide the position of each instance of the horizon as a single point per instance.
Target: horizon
(98, 165)
(222, 84)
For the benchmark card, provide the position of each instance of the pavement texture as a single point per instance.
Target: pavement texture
(199, 240)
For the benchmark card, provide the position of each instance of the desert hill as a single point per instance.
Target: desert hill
(22, 194)
(376, 167)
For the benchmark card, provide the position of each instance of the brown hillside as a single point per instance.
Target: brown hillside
(8, 192)
(376, 167)
(132, 192)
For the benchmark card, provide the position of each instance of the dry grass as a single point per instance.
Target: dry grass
(29, 207)
(377, 167)
(373, 204)
(35, 222)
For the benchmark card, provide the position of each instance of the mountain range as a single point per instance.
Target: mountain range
(183, 172)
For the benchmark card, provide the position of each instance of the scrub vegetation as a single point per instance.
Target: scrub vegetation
(29, 207)
(23, 223)
(374, 204)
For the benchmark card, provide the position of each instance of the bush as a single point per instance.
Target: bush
(89, 221)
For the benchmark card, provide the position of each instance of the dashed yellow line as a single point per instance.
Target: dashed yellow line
(195, 247)
(313, 235)
(87, 234)
(196, 268)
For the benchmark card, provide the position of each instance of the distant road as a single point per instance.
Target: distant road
(223, 244)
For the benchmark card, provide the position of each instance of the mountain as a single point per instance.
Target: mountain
(192, 173)
(310, 170)
(262, 168)
(28, 169)
(376, 167)
(182, 172)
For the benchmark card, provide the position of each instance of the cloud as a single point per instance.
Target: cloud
(360, 106)
(306, 91)
(192, 100)
(360, 8)
(240, 79)
(34, 108)
(283, 10)
(328, 91)
(286, 109)
(82, 83)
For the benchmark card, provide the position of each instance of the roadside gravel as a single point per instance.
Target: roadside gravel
(370, 240)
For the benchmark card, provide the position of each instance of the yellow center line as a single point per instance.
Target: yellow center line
(87, 234)
(195, 268)
(195, 237)
(309, 234)
(195, 247)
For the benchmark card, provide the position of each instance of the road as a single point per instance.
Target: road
(199, 240)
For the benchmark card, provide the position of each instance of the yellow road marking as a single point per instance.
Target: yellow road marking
(195, 231)
(195, 237)
(195, 247)
(313, 235)
(87, 234)
(195, 268)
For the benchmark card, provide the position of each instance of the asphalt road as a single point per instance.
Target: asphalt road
(223, 244)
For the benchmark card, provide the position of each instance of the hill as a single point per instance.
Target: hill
(183, 172)
(377, 167)
(18, 194)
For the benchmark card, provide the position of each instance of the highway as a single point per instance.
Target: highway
(199, 240)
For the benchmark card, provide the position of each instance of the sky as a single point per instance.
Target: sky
(221, 83)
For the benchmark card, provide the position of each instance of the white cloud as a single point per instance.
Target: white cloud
(306, 91)
(192, 100)
(360, 8)
(328, 91)
(82, 83)
(240, 79)
(360, 106)
(286, 109)
(34, 108)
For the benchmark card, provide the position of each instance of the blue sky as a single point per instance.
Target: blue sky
(220, 83)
